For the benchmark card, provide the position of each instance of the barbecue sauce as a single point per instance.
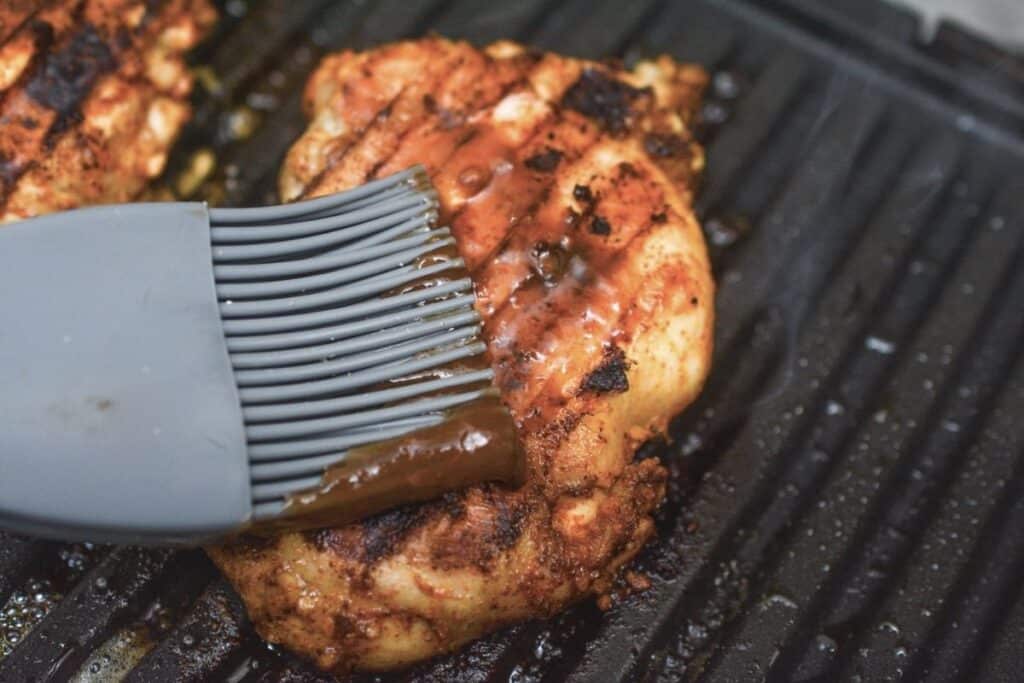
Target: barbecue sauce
(476, 442)
(500, 184)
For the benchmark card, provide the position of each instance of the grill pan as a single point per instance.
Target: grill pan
(847, 497)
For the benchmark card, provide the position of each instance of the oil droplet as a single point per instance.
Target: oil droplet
(726, 230)
(826, 644)
(725, 85)
(714, 114)
(780, 600)
(879, 345)
(889, 627)
(242, 123)
(966, 122)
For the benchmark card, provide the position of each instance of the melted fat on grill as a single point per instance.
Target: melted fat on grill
(568, 185)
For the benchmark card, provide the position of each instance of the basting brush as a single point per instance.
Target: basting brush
(171, 372)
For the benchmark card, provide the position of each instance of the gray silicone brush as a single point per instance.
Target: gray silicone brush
(172, 372)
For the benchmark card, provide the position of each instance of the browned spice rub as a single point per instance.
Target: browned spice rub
(568, 185)
(92, 94)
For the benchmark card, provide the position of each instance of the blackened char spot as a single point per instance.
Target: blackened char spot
(664, 145)
(628, 170)
(453, 505)
(545, 161)
(67, 76)
(599, 226)
(250, 545)
(123, 39)
(582, 193)
(384, 532)
(601, 97)
(9, 171)
(610, 375)
(508, 523)
(42, 35)
(343, 626)
(572, 217)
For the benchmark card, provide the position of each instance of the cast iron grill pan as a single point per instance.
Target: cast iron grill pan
(847, 497)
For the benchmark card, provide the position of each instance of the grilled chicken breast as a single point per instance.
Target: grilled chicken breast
(568, 186)
(92, 94)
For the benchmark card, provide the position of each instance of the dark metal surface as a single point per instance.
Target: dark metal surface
(847, 497)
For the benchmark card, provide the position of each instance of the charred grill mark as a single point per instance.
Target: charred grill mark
(18, 15)
(507, 240)
(64, 68)
(68, 75)
(545, 161)
(473, 132)
(453, 504)
(509, 235)
(448, 120)
(544, 125)
(9, 172)
(321, 539)
(558, 430)
(610, 376)
(42, 40)
(252, 544)
(431, 106)
(21, 144)
(383, 533)
(510, 87)
(598, 96)
(665, 145)
(509, 522)
(61, 125)
(339, 156)
(576, 297)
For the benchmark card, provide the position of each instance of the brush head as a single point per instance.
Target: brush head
(350, 325)
(170, 372)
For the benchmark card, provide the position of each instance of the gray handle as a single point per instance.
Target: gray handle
(119, 415)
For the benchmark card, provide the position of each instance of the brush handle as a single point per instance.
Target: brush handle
(119, 413)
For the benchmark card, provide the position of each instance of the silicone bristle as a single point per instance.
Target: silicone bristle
(349, 320)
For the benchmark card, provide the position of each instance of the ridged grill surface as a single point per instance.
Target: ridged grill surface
(847, 497)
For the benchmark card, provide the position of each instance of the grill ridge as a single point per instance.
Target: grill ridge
(920, 502)
(759, 502)
(1003, 559)
(874, 426)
